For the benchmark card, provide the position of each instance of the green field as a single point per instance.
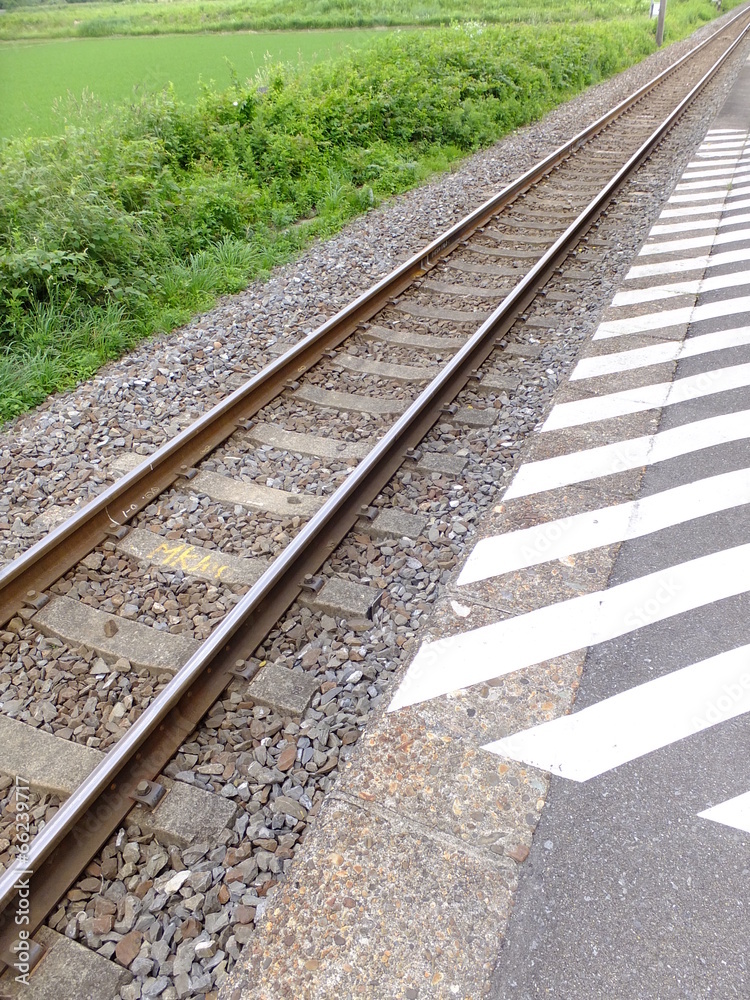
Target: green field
(175, 16)
(36, 75)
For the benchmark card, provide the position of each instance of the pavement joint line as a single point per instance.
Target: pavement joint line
(484, 856)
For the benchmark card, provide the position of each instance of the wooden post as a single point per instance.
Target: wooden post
(660, 23)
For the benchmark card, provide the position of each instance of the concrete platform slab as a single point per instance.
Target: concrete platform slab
(344, 925)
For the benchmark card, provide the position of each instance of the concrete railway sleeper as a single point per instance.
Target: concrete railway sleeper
(443, 311)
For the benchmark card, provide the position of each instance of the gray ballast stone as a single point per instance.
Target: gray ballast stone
(396, 524)
(470, 417)
(78, 624)
(349, 400)
(308, 444)
(185, 815)
(67, 971)
(232, 491)
(287, 692)
(193, 560)
(397, 373)
(343, 597)
(46, 762)
(405, 339)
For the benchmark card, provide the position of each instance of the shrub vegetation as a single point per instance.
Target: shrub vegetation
(134, 219)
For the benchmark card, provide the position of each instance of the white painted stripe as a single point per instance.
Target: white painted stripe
(696, 224)
(688, 264)
(696, 196)
(712, 171)
(636, 722)
(727, 162)
(672, 317)
(729, 152)
(516, 643)
(676, 213)
(718, 182)
(632, 453)
(657, 354)
(568, 536)
(707, 155)
(561, 538)
(647, 397)
(734, 812)
(672, 246)
(675, 288)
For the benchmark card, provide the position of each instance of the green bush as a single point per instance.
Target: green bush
(132, 220)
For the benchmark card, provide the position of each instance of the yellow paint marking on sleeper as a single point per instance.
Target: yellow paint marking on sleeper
(190, 558)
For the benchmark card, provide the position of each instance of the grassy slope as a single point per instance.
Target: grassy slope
(131, 221)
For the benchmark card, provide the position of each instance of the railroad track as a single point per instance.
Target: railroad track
(457, 316)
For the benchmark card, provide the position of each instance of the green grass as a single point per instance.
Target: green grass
(36, 77)
(135, 217)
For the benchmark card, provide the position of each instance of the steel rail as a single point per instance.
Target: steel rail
(23, 579)
(89, 816)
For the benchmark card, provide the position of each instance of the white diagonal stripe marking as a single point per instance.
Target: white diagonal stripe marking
(687, 264)
(636, 722)
(568, 536)
(676, 213)
(675, 288)
(695, 224)
(647, 397)
(516, 643)
(672, 246)
(657, 354)
(717, 182)
(672, 317)
(734, 812)
(685, 199)
(632, 453)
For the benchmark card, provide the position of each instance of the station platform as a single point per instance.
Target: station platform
(557, 800)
